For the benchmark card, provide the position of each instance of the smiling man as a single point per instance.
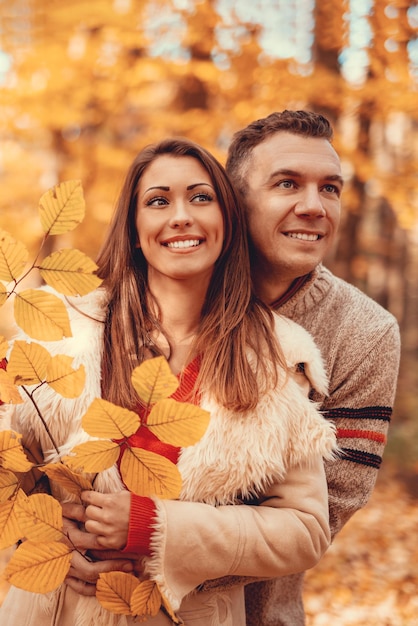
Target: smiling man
(288, 176)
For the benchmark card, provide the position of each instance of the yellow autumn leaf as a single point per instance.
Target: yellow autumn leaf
(40, 517)
(4, 347)
(146, 600)
(39, 567)
(12, 456)
(92, 456)
(109, 421)
(41, 315)
(63, 379)
(9, 526)
(153, 380)
(13, 257)
(70, 272)
(114, 591)
(149, 474)
(3, 294)
(179, 423)
(9, 483)
(28, 363)
(73, 482)
(9, 393)
(62, 208)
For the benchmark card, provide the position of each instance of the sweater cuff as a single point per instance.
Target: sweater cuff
(141, 518)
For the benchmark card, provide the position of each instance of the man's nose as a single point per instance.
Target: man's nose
(311, 203)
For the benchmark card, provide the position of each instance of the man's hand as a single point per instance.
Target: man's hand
(83, 574)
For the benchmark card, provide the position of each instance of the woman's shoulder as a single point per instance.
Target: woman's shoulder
(299, 347)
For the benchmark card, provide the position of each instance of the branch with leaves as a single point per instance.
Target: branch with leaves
(43, 557)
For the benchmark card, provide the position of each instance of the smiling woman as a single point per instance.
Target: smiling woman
(179, 223)
(176, 282)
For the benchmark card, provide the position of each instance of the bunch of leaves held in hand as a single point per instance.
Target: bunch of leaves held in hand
(34, 520)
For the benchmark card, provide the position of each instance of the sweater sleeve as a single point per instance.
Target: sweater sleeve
(288, 532)
(141, 518)
(361, 408)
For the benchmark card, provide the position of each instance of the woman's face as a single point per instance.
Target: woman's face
(179, 221)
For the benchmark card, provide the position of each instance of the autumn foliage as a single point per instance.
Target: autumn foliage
(43, 558)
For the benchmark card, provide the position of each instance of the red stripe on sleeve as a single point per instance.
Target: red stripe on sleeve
(361, 434)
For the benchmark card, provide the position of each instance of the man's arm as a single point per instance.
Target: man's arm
(361, 409)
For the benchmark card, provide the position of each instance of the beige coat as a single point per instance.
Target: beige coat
(273, 454)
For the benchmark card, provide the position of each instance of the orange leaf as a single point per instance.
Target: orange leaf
(71, 481)
(28, 363)
(107, 420)
(62, 207)
(70, 272)
(92, 456)
(179, 423)
(9, 393)
(42, 315)
(12, 455)
(39, 567)
(63, 379)
(9, 484)
(153, 380)
(149, 474)
(13, 257)
(4, 345)
(114, 590)
(40, 517)
(3, 294)
(146, 600)
(9, 525)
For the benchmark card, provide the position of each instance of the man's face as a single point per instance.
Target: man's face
(293, 203)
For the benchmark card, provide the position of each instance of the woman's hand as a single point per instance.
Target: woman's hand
(107, 517)
(85, 570)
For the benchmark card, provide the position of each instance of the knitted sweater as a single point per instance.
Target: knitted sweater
(360, 343)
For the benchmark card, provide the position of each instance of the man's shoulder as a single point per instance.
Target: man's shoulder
(342, 296)
(339, 314)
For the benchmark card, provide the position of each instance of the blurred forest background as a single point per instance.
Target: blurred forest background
(85, 84)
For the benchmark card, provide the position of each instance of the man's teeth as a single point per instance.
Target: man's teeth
(190, 243)
(303, 236)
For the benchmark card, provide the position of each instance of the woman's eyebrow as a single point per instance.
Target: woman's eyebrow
(189, 187)
(161, 187)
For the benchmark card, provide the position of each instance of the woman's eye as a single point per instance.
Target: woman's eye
(159, 201)
(202, 197)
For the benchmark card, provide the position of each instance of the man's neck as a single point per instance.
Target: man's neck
(268, 288)
(292, 289)
(274, 293)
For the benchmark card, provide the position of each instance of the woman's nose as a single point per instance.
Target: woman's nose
(181, 215)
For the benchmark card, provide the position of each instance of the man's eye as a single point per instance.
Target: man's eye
(285, 184)
(331, 189)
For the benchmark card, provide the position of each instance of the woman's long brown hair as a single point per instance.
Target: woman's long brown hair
(233, 322)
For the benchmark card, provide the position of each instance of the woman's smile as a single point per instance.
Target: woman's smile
(183, 244)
